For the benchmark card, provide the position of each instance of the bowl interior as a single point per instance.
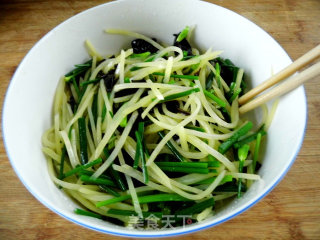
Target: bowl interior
(31, 91)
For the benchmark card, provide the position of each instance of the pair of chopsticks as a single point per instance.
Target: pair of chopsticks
(285, 87)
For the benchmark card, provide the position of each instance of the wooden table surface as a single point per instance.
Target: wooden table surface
(290, 211)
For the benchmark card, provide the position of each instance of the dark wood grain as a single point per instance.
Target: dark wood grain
(290, 211)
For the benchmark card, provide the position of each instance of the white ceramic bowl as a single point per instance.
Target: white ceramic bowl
(28, 103)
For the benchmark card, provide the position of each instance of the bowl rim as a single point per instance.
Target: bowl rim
(163, 233)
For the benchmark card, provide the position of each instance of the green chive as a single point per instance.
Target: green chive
(87, 213)
(179, 95)
(235, 95)
(218, 78)
(97, 181)
(140, 55)
(185, 169)
(94, 107)
(124, 122)
(127, 80)
(90, 173)
(242, 155)
(137, 156)
(133, 213)
(135, 68)
(230, 187)
(225, 146)
(256, 151)
(196, 208)
(143, 160)
(163, 197)
(62, 159)
(250, 138)
(80, 68)
(109, 190)
(83, 140)
(93, 81)
(212, 161)
(175, 152)
(243, 152)
(104, 112)
(82, 167)
(209, 81)
(191, 77)
(219, 101)
(75, 85)
(199, 129)
(227, 178)
(183, 164)
(183, 34)
(113, 200)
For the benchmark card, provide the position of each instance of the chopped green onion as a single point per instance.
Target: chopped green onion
(83, 140)
(97, 181)
(82, 167)
(175, 152)
(87, 213)
(127, 80)
(183, 34)
(225, 146)
(191, 77)
(111, 114)
(196, 208)
(163, 197)
(215, 98)
(184, 169)
(179, 95)
(256, 151)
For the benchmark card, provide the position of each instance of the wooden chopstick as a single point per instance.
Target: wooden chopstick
(289, 85)
(283, 88)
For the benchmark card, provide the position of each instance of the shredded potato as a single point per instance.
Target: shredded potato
(152, 131)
